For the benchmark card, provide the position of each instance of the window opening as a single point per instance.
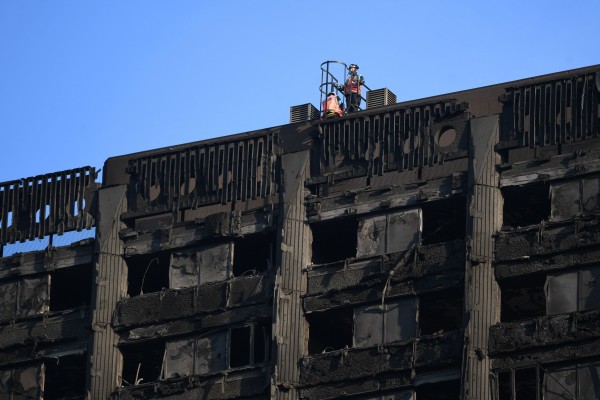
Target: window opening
(70, 287)
(520, 384)
(444, 220)
(334, 240)
(249, 345)
(142, 362)
(254, 253)
(522, 298)
(570, 291)
(262, 342)
(441, 311)
(239, 347)
(148, 273)
(526, 205)
(447, 390)
(330, 330)
(65, 377)
(525, 384)
(504, 385)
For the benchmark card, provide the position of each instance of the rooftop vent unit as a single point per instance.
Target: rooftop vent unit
(303, 112)
(380, 97)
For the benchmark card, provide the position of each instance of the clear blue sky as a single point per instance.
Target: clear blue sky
(84, 80)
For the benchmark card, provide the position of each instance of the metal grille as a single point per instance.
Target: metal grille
(45, 204)
(399, 140)
(303, 112)
(555, 112)
(204, 174)
(380, 97)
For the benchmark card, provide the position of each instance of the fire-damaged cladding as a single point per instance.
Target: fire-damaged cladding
(536, 265)
(205, 174)
(217, 351)
(46, 204)
(61, 289)
(213, 262)
(550, 382)
(356, 334)
(56, 378)
(551, 201)
(402, 140)
(553, 112)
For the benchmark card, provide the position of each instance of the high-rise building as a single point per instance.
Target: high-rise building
(436, 249)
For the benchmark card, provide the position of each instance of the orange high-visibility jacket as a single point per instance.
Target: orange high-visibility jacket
(331, 105)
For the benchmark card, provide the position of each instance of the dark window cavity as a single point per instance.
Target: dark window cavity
(142, 362)
(447, 390)
(522, 298)
(148, 273)
(330, 330)
(65, 377)
(444, 220)
(249, 345)
(522, 384)
(70, 287)
(526, 205)
(254, 253)
(441, 311)
(334, 240)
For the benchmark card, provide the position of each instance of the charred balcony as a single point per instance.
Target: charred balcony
(388, 366)
(235, 361)
(441, 263)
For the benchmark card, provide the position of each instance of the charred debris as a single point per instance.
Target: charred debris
(439, 249)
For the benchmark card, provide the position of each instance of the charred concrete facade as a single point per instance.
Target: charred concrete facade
(443, 248)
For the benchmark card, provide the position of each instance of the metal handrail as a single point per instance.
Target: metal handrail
(329, 82)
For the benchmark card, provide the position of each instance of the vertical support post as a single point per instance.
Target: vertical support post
(110, 286)
(482, 294)
(294, 243)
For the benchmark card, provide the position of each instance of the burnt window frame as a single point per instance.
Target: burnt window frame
(539, 371)
(252, 343)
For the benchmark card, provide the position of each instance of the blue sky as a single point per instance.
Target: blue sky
(83, 80)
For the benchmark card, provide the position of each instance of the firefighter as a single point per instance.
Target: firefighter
(352, 89)
(331, 106)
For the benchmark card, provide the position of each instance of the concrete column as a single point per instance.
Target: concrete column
(482, 295)
(294, 245)
(110, 278)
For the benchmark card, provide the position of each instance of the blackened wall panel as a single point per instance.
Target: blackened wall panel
(556, 111)
(198, 175)
(401, 140)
